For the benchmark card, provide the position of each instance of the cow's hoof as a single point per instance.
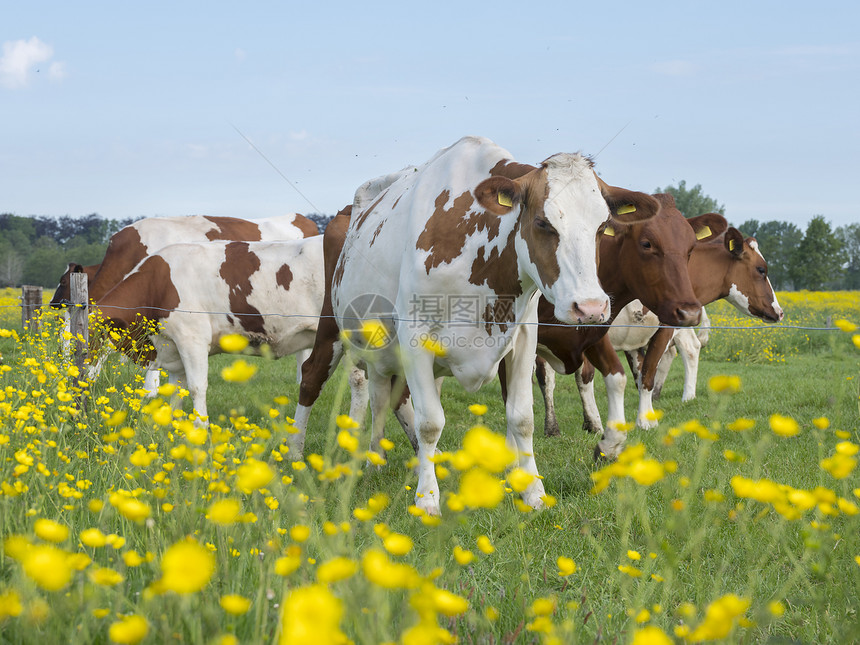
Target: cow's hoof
(551, 430)
(645, 423)
(600, 457)
(589, 427)
(429, 504)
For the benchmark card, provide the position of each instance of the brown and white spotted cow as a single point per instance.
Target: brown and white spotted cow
(202, 292)
(136, 241)
(729, 267)
(455, 254)
(645, 260)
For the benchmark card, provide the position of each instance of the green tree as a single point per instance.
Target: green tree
(818, 259)
(692, 201)
(777, 242)
(850, 237)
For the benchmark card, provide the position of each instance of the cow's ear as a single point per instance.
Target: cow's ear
(627, 206)
(734, 242)
(708, 226)
(75, 268)
(499, 195)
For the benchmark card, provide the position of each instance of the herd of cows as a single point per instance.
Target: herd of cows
(472, 265)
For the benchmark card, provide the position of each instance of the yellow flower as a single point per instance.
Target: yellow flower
(822, 423)
(566, 566)
(106, 577)
(480, 489)
(300, 533)
(381, 571)
(650, 635)
(253, 475)
(129, 630)
(47, 566)
(375, 333)
(447, 603)
(839, 465)
(776, 608)
(336, 569)
(720, 617)
(93, 538)
(543, 606)
(233, 343)
(10, 604)
(311, 616)
(133, 509)
(187, 567)
(239, 372)
(433, 346)
(519, 479)
(725, 384)
(634, 555)
(51, 531)
(224, 512)
(463, 556)
(397, 543)
(646, 471)
(132, 559)
(478, 409)
(783, 426)
(631, 571)
(856, 340)
(741, 424)
(487, 449)
(235, 604)
(286, 565)
(845, 326)
(346, 422)
(485, 545)
(347, 441)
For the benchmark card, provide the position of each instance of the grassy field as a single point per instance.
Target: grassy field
(126, 524)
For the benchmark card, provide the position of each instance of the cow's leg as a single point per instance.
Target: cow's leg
(358, 394)
(301, 356)
(584, 375)
(656, 347)
(689, 347)
(634, 360)
(316, 370)
(519, 409)
(380, 399)
(151, 380)
(663, 368)
(405, 414)
(429, 421)
(605, 358)
(195, 362)
(546, 381)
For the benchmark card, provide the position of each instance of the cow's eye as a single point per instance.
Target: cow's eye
(543, 225)
(645, 245)
(761, 271)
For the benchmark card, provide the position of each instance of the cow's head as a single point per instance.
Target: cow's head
(750, 290)
(560, 208)
(648, 260)
(63, 294)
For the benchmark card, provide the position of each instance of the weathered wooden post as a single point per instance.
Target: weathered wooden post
(79, 325)
(31, 303)
(79, 317)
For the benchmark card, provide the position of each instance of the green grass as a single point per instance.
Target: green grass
(705, 550)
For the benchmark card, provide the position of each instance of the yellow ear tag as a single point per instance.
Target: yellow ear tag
(504, 200)
(731, 245)
(628, 208)
(703, 232)
(609, 231)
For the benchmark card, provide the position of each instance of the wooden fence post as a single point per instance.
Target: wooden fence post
(79, 318)
(31, 303)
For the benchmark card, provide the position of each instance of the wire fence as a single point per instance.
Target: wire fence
(436, 321)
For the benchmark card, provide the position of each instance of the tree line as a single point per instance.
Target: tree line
(37, 250)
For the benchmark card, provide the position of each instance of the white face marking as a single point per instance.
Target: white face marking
(738, 299)
(754, 246)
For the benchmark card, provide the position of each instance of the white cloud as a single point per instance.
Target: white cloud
(22, 58)
(674, 68)
(300, 135)
(240, 54)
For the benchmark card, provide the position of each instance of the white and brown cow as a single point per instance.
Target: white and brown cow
(136, 241)
(202, 292)
(729, 267)
(456, 253)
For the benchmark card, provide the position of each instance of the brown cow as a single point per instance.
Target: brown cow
(645, 261)
(729, 267)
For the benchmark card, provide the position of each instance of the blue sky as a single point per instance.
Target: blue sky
(128, 109)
